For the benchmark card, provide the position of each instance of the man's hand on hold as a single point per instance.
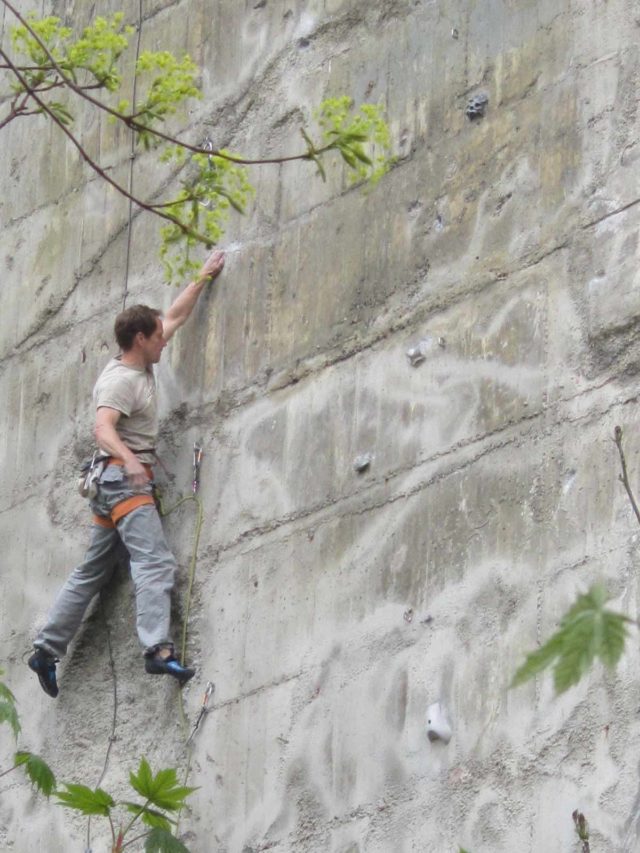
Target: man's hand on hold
(212, 266)
(136, 474)
(184, 303)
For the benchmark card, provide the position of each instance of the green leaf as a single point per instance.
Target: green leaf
(587, 631)
(149, 816)
(357, 150)
(85, 800)
(162, 789)
(162, 841)
(8, 714)
(5, 693)
(38, 771)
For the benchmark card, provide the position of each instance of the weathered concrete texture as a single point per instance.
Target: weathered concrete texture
(331, 607)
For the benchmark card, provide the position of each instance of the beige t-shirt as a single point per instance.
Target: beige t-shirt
(131, 391)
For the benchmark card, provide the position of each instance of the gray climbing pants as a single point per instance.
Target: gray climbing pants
(140, 534)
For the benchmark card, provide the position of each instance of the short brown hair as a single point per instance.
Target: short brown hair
(138, 318)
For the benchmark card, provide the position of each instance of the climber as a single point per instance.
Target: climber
(126, 519)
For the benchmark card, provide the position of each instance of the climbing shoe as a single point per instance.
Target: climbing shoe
(168, 666)
(44, 666)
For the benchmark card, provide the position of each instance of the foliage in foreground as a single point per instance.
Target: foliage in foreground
(50, 67)
(587, 632)
(36, 769)
(161, 794)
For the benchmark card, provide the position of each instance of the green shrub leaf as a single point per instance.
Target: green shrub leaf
(162, 789)
(587, 631)
(8, 714)
(162, 841)
(38, 771)
(85, 800)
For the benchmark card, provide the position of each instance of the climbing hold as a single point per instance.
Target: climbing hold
(454, 33)
(417, 353)
(438, 727)
(476, 106)
(362, 462)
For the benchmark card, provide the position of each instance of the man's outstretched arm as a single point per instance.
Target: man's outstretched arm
(183, 305)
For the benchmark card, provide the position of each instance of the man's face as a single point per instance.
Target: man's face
(153, 345)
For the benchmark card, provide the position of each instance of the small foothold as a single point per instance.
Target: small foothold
(477, 105)
(408, 615)
(454, 33)
(362, 462)
(417, 353)
(438, 727)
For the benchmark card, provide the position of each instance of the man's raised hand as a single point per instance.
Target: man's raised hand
(212, 266)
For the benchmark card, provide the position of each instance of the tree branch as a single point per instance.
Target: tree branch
(10, 770)
(624, 478)
(96, 168)
(141, 128)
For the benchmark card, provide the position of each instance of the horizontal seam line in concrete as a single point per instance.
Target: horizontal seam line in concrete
(417, 314)
(255, 690)
(309, 513)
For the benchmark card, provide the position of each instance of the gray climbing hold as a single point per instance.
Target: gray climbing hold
(362, 462)
(418, 353)
(477, 105)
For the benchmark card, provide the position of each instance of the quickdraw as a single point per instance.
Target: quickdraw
(208, 693)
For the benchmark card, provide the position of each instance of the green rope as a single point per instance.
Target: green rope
(190, 579)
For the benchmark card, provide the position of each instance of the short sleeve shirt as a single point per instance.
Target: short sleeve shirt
(132, 392)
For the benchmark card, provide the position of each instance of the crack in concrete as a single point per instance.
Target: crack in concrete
(240, 697)
(606, 216)
(342, 502)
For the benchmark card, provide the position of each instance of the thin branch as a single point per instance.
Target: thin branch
(624, 478)
(10, 770)
(113, 831)
(141, 128)
(137, 838)
(135, 818)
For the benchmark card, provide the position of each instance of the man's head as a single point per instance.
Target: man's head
(139, 329)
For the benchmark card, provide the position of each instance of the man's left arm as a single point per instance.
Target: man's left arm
(184, 304)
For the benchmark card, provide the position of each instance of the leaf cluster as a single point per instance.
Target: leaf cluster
(362, 138)
(216, 181)
(161, 793)
(36, 769)
(214, 185)
(90, 60)
(587, 631)
(8, 711)
(168, 82)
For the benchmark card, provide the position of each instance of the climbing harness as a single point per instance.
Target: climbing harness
(203, 709)
(128, 504)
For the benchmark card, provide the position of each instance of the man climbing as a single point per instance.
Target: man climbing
(125, 515)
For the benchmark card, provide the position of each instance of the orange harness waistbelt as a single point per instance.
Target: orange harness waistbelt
(127, 505)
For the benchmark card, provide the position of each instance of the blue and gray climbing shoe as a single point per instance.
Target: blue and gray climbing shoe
(168, 666)
(44, 666)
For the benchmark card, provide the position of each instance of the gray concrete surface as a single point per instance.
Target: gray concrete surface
(332, 608)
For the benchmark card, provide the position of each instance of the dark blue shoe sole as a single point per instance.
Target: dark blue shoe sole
(157, 666)
(46, 672)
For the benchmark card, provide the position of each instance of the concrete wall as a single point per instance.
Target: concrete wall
(332, 608)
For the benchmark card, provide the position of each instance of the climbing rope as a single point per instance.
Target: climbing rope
(125, 291)
(163, 512)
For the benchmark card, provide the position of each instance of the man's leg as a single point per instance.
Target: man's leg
(73, 599)
(71, 602)
(153, 569)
